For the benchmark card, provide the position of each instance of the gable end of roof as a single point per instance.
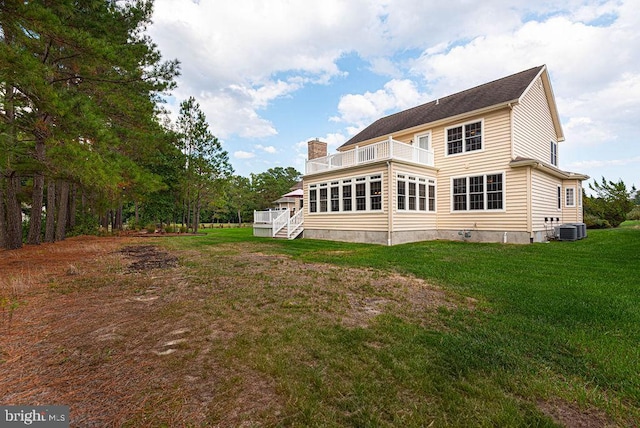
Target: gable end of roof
(501, 91)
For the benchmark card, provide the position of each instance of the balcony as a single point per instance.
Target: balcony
(385, 150)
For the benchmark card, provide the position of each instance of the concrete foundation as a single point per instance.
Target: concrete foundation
(363, 236)
(371, 237)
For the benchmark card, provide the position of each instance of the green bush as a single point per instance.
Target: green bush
(170, 229)
(634, 214)
(594, 222)
(183, 229)
(151, 228)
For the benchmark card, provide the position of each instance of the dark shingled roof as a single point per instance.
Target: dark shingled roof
(489, 94)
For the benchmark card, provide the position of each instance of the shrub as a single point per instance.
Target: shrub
(151, 228)
(612, 201)
(634, 214)
(594, 222)
(170, 229)
(183, 229)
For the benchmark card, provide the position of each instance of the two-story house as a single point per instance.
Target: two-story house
(478, 165)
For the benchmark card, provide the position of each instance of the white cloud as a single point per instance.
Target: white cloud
(243, 155)
(238, 57)
(267, 149)
(605, 163)
(242, 58)
(361, 109)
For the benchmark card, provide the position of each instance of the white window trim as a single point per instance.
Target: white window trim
(566, 189)
(428, 181)
(579, 195)
(416, 139)
(351, 181)
(485, 210)
(464, 151)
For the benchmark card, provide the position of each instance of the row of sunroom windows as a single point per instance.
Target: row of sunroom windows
(365, 194)
(413, 193)
(352, 194)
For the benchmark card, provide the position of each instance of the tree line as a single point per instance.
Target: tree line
(85, 141)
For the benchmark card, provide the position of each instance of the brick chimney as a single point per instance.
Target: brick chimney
(316, 149)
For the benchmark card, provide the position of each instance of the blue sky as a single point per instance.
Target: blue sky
(271, 75)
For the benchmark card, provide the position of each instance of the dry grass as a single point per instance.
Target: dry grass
(124, 336)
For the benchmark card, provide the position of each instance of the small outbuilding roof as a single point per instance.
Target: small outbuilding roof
(297, 193)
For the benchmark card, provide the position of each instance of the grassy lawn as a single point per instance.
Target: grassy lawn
(225, 329)
(553, 334)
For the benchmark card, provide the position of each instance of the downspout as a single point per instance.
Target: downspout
(389, 203)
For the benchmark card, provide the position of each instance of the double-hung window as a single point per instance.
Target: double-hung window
(432, 195)
(346, 195)
(422, 194)
(402, 192)
(313, 200)
(554, 153)
(464, 138)
(361, 194)
(460, 194)
(335, 196)
(375, 192)
(412, 194)
(478, 193)
(570, 197)
(494, 192)
(323, 198)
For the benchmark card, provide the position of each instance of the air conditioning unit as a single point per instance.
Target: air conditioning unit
(581, 228)
(567, 232)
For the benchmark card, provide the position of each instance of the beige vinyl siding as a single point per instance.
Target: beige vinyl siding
(494, 158)
(412, 220)
(572, 214)
(544, 202)
(533, 128)
(353, 220)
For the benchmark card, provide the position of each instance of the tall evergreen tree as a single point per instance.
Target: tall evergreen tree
(79, 85)
(206, 162)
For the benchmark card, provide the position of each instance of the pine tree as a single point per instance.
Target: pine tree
(80, 85)
(206, 161)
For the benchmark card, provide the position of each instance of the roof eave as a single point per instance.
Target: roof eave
(565, 175)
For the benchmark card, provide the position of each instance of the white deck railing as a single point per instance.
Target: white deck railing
(384, 150)
(279, 222)
(269, 223)
(295, 222)
(265, 216)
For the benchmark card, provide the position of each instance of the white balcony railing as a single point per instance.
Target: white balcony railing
(384, 150)
(265, 216)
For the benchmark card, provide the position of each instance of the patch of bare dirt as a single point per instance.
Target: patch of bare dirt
(571, 416)
(145, 257)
